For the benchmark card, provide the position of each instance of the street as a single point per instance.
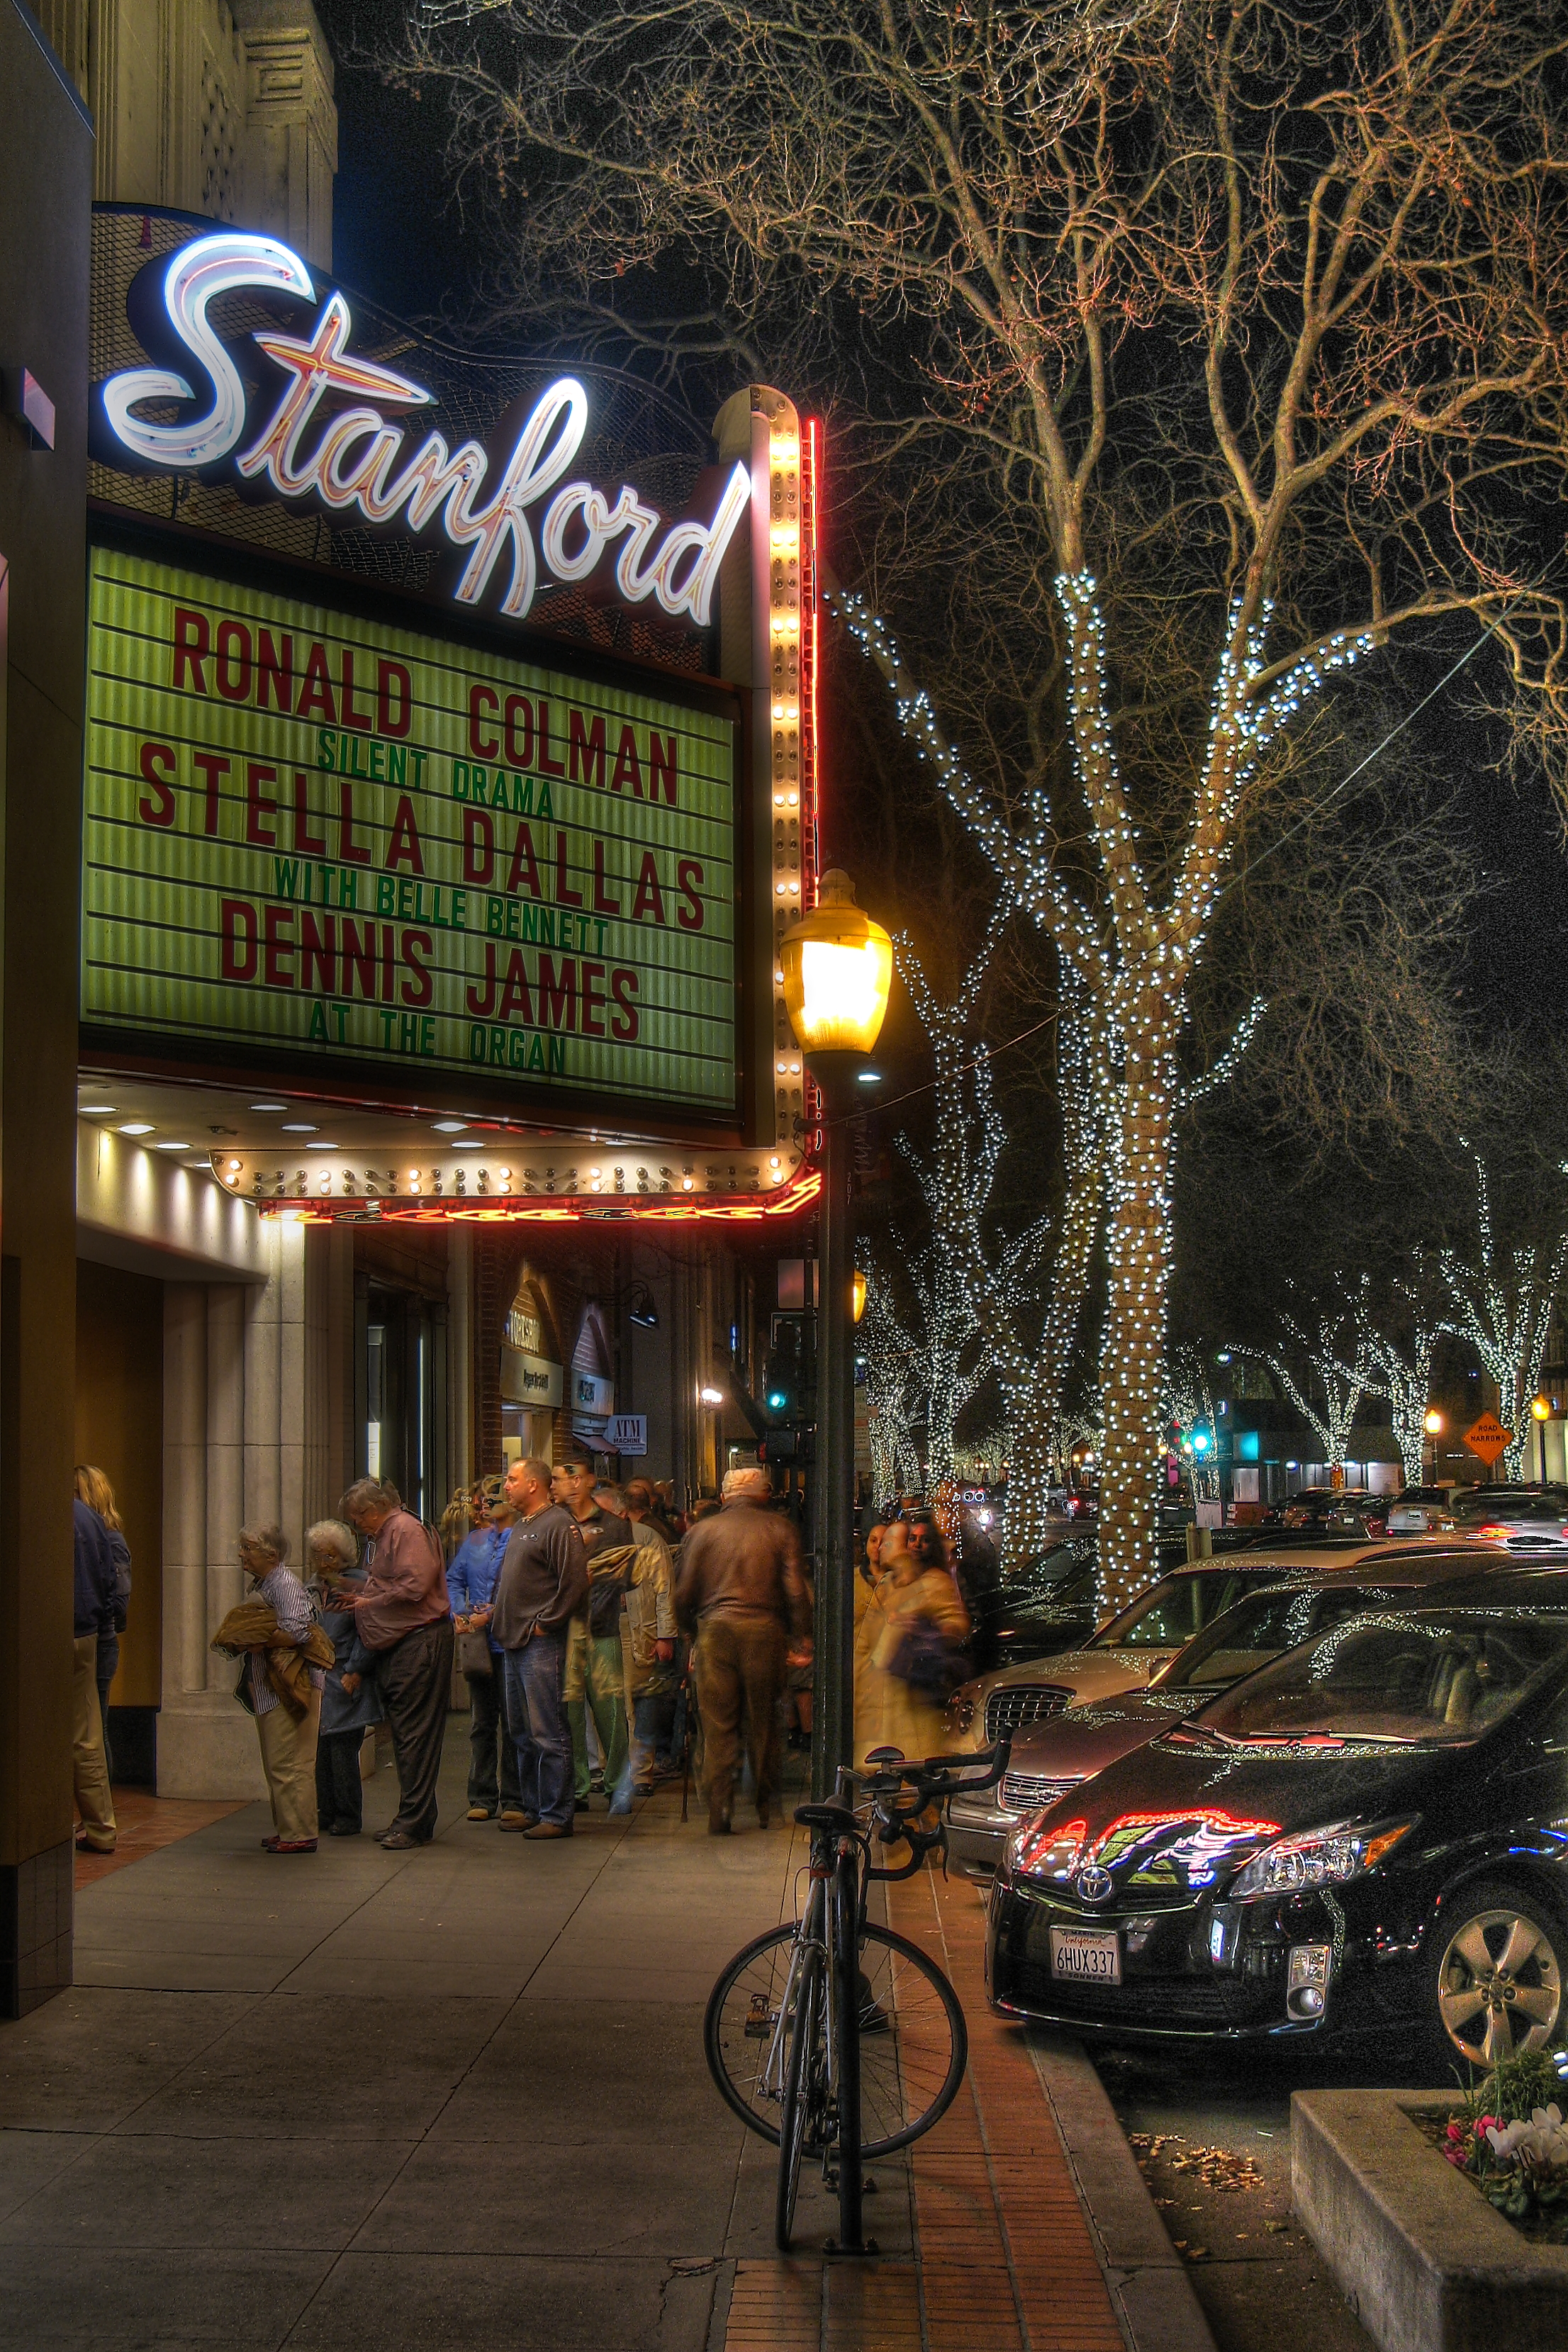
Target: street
(1211, 2129)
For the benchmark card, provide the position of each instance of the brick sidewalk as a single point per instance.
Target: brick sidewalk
(1003, 2260)
(147, 1824)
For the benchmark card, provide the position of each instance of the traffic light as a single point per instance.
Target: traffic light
(785, 1380)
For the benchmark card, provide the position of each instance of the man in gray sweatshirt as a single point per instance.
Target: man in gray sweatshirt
(543, 1582)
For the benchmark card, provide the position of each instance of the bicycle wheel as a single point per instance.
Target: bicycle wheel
(913, 2046)
(803, 2087)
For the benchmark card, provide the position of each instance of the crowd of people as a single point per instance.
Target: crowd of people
(601, 1636)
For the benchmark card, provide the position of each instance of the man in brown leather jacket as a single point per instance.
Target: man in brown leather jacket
(740, 1587)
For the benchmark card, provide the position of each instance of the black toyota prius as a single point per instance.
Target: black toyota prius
(1370, 1832)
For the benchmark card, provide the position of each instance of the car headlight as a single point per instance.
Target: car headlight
(1325, 1857)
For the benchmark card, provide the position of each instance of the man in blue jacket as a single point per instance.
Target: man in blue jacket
(471, 1575)
(95, 1588)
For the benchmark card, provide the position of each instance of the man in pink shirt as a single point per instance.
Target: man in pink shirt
(403, 1615)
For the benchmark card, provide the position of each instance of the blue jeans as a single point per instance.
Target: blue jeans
(536, 1711)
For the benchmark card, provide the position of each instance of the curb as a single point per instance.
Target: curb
(1150, 2285)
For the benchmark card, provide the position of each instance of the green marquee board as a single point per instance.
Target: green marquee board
(314, 839)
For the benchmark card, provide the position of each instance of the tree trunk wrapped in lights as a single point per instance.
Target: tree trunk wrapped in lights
(1219, 350)
(1501, 1302)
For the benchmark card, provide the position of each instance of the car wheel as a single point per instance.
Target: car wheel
(1501, 1959)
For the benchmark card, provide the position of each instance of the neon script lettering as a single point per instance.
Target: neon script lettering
(354, 459)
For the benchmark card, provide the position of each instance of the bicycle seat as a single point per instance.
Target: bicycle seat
(825, 1817)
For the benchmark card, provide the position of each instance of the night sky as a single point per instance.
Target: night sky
(402, 240)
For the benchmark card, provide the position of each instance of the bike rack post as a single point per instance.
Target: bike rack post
(846, 1966)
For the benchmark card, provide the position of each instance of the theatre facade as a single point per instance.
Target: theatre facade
(450, 775)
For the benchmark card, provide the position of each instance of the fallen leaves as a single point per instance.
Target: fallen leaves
(1213, 2167)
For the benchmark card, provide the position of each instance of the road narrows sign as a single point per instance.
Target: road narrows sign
(1487, 1438)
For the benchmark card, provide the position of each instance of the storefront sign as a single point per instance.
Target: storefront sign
(324, 843)
(591, 1394)
(529, 1379)
(626, 1432)
(329, 427)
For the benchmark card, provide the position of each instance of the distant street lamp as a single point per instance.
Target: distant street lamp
(1432, 1427)
(838, 967)
(859, 1293)
(1541, 1410)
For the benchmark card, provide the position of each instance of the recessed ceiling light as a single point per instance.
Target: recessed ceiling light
(450, 1126)
(268, 1105)
(320, 1147)
(298, 1127)
(97, 1110)
(468, 1143)
(137, 1126)
(176, 1147)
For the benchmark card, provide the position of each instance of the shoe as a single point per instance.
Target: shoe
(620, 1807)
(548, 1830)
(718, 1824)
(400, 1842)
(581, 1806)
(596, 1784)
(481, 1813)
(288, 1846)
(523, 1821)
(86, 1845)
(342, 1829)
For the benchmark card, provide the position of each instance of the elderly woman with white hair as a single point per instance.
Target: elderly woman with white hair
(281, 1682)
(351, 1703)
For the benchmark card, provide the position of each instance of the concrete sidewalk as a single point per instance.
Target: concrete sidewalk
(457, 2097)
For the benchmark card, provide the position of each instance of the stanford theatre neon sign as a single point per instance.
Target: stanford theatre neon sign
(329, 438)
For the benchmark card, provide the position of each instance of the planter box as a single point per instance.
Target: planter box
(1424, 2263)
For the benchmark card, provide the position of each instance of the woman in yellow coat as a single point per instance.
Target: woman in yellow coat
(917, 1598)
(869, 1623)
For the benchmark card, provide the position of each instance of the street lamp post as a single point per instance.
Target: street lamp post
(838, 967)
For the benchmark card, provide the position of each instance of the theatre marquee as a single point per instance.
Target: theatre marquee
(322, 842)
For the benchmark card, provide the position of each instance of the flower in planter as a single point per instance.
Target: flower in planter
(1540, 2143)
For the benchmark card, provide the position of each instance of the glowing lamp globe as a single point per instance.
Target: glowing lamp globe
(1432, 1425)
(838, 969)
(859, 1293)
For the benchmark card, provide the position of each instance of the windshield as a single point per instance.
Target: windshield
(1168, 1615)
(1421, 1681)
(1255, 1631)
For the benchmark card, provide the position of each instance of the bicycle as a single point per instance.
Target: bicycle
(841, 2028)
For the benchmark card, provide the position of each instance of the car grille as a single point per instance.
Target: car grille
(1017, 1704)
(1030, 1793)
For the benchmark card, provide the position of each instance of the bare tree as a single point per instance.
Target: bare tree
(1501, 1301)
(1025, 1293)
(1324, 1378)
(1402, 1355)
(892, 1405)
(1235, 331)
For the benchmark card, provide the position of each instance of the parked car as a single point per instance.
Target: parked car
(1129, 1647)
(1421, 1511)
(1354, 1510)
(1045, 1605)
(1365, 1834)
(1051, 1757)
(1526, 1515)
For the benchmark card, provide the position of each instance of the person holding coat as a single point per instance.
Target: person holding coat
(284, 1654)
(351, 1703)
